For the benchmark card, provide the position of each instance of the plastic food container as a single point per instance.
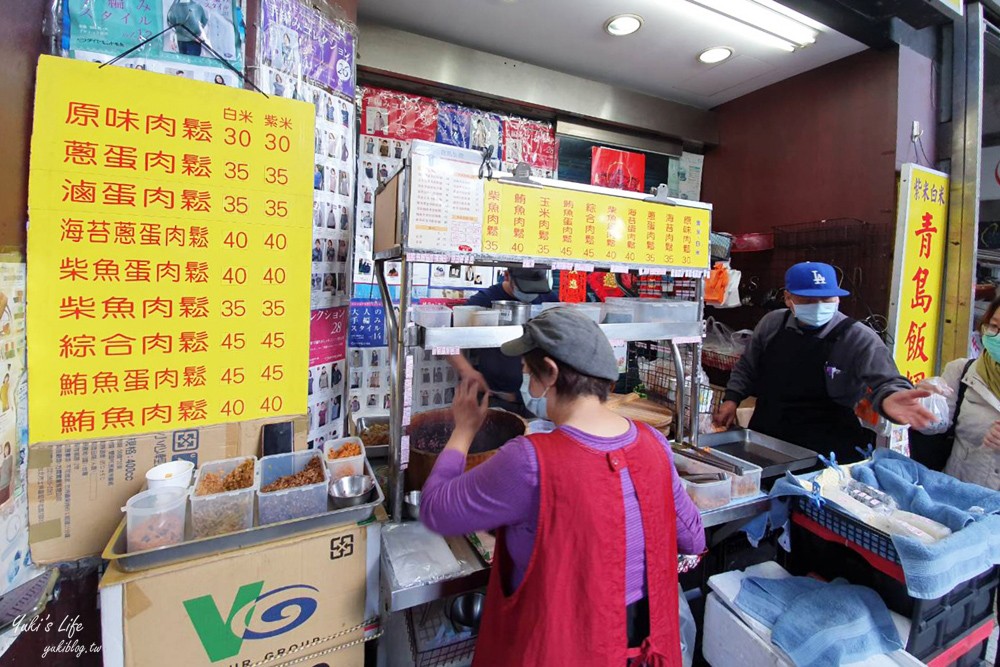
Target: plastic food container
(432, 315)
(618, 313)
(590, 310)
(296, 502)
(155, 518)
(744, 485)
(226, 512)
(709, 495)
(463, 315)
(663, 310)
(174, 473)
(354, 465)
(486, 318)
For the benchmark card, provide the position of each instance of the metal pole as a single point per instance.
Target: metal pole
(696, 367)
(678, 390)
(396, 369)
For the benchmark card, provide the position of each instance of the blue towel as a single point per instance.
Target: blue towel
(834, 625)
(767, 599)
(932, 570)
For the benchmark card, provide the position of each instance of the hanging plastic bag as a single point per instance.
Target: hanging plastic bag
(689, 631)
(715, 286)
(732, 298)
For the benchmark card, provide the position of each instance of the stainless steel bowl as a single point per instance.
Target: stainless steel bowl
(512, 312)
(465, 611)
(411, 505)
(351, 490)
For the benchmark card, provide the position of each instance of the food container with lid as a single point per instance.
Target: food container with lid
(432, 315)
(589, 310)
(295, 502)
(348, 465)
(618, 313)
(709, 495)
(226, 512)
(155, 518)
(486, 318)
(512, 312)
(747, 484)
(172, 473)
(462, 315)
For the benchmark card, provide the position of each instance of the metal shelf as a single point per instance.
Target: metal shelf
(474, 574)
(491, 337)
(398, 253)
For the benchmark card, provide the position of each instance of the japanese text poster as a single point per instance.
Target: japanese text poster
(327, 373)
(918, 276)
(170, 222)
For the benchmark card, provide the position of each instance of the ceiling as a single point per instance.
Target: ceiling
(568, 36)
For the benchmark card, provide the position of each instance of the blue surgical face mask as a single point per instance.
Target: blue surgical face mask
(816, 314)
(536, 406)
(523, 297)
(992, 346)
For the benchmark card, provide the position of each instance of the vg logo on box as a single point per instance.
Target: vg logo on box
(252, 615)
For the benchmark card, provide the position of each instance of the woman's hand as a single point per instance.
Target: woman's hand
(469, 412)
(992, 439)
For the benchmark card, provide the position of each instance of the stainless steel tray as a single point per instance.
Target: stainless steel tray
(143, 560)
(774, 456)
(361, 422)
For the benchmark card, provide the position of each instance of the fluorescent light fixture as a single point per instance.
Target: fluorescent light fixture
(716, 54)
(788, 32)
(622, 24)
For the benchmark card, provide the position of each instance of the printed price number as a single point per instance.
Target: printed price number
(234, 341)
(276, 176)
(235, 375)
(236, 240)
(233, 408)
(276, 241)
(275, 276)
(237, 170)
(274, 340)
(236, 137)
(517, 247)
(234, 307)
(235, 275)
(273, 308)
(272, 404)
(273, 373)
(235, 204)
(276, 208)
(275, 143)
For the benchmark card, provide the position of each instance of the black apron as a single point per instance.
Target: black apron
(792, 400)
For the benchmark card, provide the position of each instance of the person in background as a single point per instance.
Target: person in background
(975, 453)
(495, 372)
(191, 20)
(589, 518)
(6, 473)
(809, 365)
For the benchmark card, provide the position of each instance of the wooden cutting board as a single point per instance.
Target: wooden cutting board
(631, 406)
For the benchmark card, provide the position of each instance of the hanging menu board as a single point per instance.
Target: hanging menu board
(594, 228)
(446, 209)
(168, 250)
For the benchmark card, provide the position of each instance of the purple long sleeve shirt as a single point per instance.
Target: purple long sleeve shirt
(503, 491)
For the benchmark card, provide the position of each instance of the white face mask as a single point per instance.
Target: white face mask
(815, 314)
(536, 406)
(523, 297)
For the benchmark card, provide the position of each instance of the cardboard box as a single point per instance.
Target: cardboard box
(262, 606)
(76, 489)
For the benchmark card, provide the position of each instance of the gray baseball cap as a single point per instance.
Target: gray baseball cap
(569, 337)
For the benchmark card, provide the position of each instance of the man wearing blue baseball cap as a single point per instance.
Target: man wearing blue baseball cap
(809, 365)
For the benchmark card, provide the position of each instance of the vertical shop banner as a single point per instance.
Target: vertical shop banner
(170, 224)
(918, 272)
(327, 373)
(301, 42)
(621, 170)
(95, 28)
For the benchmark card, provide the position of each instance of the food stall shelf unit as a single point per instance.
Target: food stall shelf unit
(776, 457)
(741, 508)
(492, 337)
(144, 560)
(473, 574)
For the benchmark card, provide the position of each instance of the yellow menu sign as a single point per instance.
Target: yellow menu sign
(922, 228)
(594, 228)
(168, 252)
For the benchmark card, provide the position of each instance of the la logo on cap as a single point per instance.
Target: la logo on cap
(818, 278)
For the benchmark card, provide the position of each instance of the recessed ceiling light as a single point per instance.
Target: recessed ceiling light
(716, 54)
(622, 24)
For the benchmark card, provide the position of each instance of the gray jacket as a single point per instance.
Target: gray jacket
(970, 460)
(858, 360)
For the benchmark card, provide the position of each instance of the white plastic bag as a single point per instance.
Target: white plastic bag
(689, 631)
(937, 404)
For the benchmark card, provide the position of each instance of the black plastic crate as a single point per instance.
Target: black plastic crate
(935, 624)
(849, 528)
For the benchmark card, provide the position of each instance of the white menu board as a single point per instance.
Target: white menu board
(446, 198)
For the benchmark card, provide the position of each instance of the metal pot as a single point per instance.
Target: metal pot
(465, 611)
(513, 312)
